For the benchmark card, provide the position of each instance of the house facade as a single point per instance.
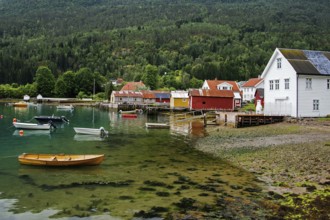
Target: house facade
(206, 99)
(179, 100)
(297, 83)
(225, 85)
(249, 88)
(126, 97)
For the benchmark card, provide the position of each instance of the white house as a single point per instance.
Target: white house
(249, 88)
(297, 83)
(225, 85)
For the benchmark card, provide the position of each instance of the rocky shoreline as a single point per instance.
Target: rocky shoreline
(292, 159)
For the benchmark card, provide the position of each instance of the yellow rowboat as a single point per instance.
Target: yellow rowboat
(60, 159)
(20, 104)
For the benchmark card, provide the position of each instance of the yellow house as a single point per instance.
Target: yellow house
(179, 100)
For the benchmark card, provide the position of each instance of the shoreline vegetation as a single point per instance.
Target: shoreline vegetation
(291, 159)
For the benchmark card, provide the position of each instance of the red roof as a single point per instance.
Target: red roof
(252, 82)
(214, 83)
(212, 93)
(132, 86)
(148, 94)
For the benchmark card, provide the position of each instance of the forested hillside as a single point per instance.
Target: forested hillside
(197, 39)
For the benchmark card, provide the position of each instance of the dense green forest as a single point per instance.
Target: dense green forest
(185, 40)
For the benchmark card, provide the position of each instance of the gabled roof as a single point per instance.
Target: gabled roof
(214, 83)
(132, 86)
(212, 93)
(253, 82)
(308, 61)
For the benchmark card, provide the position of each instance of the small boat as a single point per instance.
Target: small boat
(33, 126)
(46, 119)
(20, 104)
(135, 111)
(60, 159)
(65, 107)
(92, 131)
(129, 115)
(157, 125)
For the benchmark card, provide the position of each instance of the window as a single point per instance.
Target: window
(316, 104)
(328, 83)
(271, 84)
(308, 83)
(277, 84)
(286, 83)
(225, 88)
(279, 63)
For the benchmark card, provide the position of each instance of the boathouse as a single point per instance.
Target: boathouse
(205, 99)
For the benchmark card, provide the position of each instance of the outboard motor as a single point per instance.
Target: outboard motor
(52, 125)
(102, 132)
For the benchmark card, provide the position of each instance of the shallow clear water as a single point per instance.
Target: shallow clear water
(142, 168)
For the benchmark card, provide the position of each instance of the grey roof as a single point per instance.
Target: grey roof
(308, 62)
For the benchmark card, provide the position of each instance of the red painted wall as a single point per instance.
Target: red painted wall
(257, 97)
(202, 102)
(163, 100)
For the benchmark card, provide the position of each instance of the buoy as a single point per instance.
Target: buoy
(21, 132)
(14, 120)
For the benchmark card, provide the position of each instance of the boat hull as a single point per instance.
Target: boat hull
(31, 126)
(20, 104)
(65, 107)
(60, 159)
(129, 115)
(91, 131)
(157, 125)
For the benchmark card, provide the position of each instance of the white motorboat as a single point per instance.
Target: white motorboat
(33, 126)
(64, 107)
(92, 131)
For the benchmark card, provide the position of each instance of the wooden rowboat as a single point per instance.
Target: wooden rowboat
(60, 159)
(20, 104)
(157, 125)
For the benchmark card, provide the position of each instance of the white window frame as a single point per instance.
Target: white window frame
(308, 83)
(316, 105)
(277, 84)
(286, 84)
(271, 84)
(279, 63)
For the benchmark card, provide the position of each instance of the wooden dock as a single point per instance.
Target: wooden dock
(255, 120)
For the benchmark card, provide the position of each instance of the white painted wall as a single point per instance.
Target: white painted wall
(319, 91)
(279, 101)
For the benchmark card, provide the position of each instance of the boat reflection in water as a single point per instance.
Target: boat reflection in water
(31, 132)
(87, 137)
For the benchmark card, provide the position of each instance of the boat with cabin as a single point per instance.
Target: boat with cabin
(46, 119)
(60, 159)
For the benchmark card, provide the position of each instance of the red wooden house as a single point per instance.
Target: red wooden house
(205, 99)
(259, 95)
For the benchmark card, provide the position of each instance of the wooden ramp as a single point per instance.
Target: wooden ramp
(255, 120)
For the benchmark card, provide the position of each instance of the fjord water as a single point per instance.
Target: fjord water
(143, 169)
